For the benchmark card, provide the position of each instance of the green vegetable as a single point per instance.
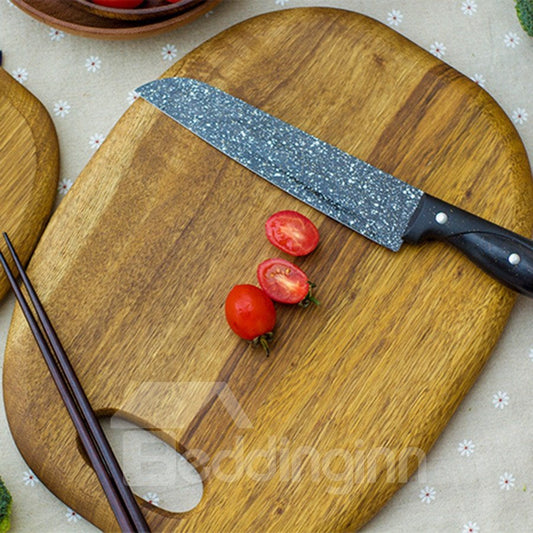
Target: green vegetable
(524, 10)
(5, 508)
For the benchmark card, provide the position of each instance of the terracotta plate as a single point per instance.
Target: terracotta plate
(73, 18)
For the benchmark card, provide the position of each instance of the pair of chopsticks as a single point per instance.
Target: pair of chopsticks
(94, 441)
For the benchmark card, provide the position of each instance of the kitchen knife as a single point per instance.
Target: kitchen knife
(368, 200)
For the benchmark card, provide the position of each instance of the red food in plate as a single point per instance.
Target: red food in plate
(121, 4)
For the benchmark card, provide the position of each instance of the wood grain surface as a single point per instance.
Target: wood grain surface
(29, 159)
(134, 270)
(73, 18)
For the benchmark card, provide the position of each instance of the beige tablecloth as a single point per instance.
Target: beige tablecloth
(479, 476)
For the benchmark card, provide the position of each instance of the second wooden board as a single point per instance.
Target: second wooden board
(29, 159)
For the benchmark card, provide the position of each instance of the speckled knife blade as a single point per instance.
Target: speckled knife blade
(347, 189)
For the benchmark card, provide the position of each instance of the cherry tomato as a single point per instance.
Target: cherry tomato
(284, 282)
(292, 232)
(126, 4)
(251, 314)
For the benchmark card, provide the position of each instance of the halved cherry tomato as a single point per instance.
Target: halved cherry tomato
(292, 232)
(126, 4)
(251, 314)
(284, 282)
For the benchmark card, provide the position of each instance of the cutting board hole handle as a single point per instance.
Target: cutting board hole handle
(156, 472)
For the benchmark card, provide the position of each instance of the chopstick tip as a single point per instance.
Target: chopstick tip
(5, 266)
(10, 247)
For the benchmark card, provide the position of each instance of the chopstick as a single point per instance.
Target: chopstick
(94, 441)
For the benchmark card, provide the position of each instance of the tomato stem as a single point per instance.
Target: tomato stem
(309, 299)
(263, 340)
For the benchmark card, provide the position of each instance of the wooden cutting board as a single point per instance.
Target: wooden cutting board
(29, 159)
(135, 266)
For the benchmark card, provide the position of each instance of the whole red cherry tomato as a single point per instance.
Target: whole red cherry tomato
(285, 282)
(251, 314)
(126, 4)
(292, 232)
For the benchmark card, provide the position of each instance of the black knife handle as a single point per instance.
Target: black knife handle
(505, 255)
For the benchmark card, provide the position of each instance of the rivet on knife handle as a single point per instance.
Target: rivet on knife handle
(505, 255)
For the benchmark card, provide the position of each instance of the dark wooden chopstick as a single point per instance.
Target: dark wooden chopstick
(94, 441)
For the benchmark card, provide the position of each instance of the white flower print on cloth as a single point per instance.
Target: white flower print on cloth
(437, 49)
(93, 64)
(72, 516)
(500, 400)
(466, 448)
(152, 498)
(64, 186)
(20, 74)
(507, 481)
(394, 18)
(471, 527)
(61, 108)
(56, 35)
(427, 494)
(29, 478)
(169, 52)
(281, 2)
(96, 140)
(511, 40)
(469, 7)
(479, 79)
(132, 96)
(519, 115)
